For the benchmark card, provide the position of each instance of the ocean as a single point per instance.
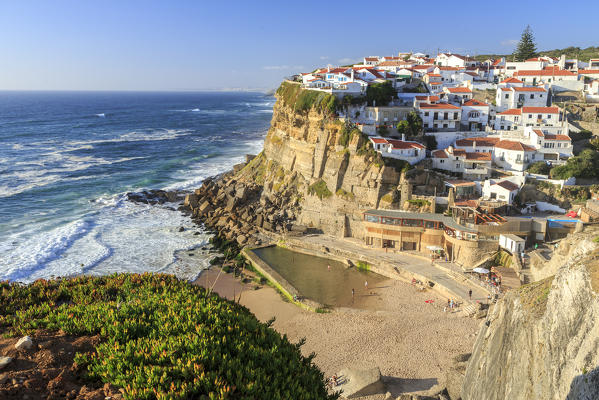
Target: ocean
(67, 160)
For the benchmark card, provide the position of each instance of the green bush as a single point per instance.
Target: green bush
(362, 266)
(539, 167)
(584, 165)
(380, 93)
(345, 194)
(583, 134)
(303, 100)
(320, 189)
(163, 338)
(419, 202)
(430, 141)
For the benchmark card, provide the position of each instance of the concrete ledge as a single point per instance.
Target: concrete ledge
(286, 288)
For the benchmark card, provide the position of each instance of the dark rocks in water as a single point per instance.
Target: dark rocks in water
(181, 229)
(190, 254)
(156, 196)
(196, 233)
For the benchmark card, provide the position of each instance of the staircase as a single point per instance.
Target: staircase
(469, 310)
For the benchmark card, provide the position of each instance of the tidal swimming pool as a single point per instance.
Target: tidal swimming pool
(311, 276)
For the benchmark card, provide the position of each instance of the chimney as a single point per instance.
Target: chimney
(474, 145)
(403, 137)
(328, 68)
(352, 74)
(450, 149)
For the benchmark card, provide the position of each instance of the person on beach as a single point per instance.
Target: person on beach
(329, 267)
(353, 292)
(470, 294)
(366, 285)
(448, 303)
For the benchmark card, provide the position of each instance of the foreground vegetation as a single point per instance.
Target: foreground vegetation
(302, 100)
(163, 338)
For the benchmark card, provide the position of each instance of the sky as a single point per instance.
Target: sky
(214, 45)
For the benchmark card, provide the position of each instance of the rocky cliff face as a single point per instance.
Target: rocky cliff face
(315, 148)
(542, 341)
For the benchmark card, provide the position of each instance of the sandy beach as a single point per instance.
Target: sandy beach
(390, 326)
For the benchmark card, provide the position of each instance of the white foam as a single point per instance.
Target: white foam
(101, 115)
(23, 255)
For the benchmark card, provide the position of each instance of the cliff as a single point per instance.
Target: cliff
(542, 341)
(314, 172)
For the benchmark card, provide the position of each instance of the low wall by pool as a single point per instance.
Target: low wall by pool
(320, 280)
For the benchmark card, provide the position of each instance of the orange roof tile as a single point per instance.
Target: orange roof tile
(440, 154)
(513, 145)
(459, 90)
(557, 137)
(480, 141)
(475, 103)
(399, 144)
(540, 110)
(443, 106)
(511, 111)
(528, 89)
(511, 80)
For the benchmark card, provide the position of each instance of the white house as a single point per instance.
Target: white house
(548, 75)
(447, 73)
(371, 61)
(549, 143)
(440, 116)
(435, 87)
(481, 144)
(502, 189)
(508, 120)
(516, 97)
(512, 243)
(455, 60)
(475, 115)
(517, 118)
(412, 152)
(511, 67)
(470, 165)
(420, 70)
(510, 82)
(512, 155)
(458, 95)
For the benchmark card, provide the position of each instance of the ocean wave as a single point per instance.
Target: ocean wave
(138, 136)
(31, 255)
(101, 115)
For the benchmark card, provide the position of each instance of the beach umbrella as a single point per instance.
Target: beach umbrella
(481, 270)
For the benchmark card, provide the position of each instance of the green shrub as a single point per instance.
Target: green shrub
(362, 266)
(584, 165)
(163, 338)
(583, 134)
(380, 93)
(419, 202)
(303, 100)
(539, 167)
(345, 194)
(320, 189)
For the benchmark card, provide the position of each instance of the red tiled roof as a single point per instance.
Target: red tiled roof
(478, 156)
(539, 132)
(459, 90)
(513, 145)
(511, 111)
(435, 75)
(460, 182)
(475, 103)
(507, 185)
(371, 58)
(399, 144)
(443, 106)
(394, 63)
(379, 140)
(588, 71)
(421, 66)
(511, 80)
(548, 71)
(540, 110)
(449, 68)
(480, 141)
(435, 83)
(440, 154)
(557, 137)
(528, 89)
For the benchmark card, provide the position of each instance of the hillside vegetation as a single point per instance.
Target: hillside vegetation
(293, 96)
(570, 52)
(163, 338)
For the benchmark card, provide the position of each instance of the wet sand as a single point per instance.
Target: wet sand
(391, 326)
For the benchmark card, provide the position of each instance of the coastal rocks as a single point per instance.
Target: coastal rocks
(359, 383)
(156, 196)
(4, 361)
(24, 344)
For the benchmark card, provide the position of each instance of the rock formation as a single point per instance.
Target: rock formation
(542, 341)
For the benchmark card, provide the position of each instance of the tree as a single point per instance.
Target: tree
(539, 167)
(430, 141)
(380, 93)
(526, 47)
(411, 126)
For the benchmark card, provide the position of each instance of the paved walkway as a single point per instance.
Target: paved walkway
(412, 263)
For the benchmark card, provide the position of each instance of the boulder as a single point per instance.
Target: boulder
(241, 239)
(205, 207)
(191, 200)
(4, 361)
(358, 383)
(25, 343)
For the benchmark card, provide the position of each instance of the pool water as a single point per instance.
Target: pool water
(313, 278)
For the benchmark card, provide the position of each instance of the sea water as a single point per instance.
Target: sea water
(67, 159)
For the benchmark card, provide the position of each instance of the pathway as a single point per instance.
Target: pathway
(417, 264)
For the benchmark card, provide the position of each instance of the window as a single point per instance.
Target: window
(473, 114)
(507, 96)
(391, 221)
(441, 161)
(540, 116)
(532, 96)
(457, 165)
(529, 115)
(430, 224)
(436, 115)
(426, 125)
(372, 218)
(412, 222)
(445, 115)
(426, 114)
(455, 115)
